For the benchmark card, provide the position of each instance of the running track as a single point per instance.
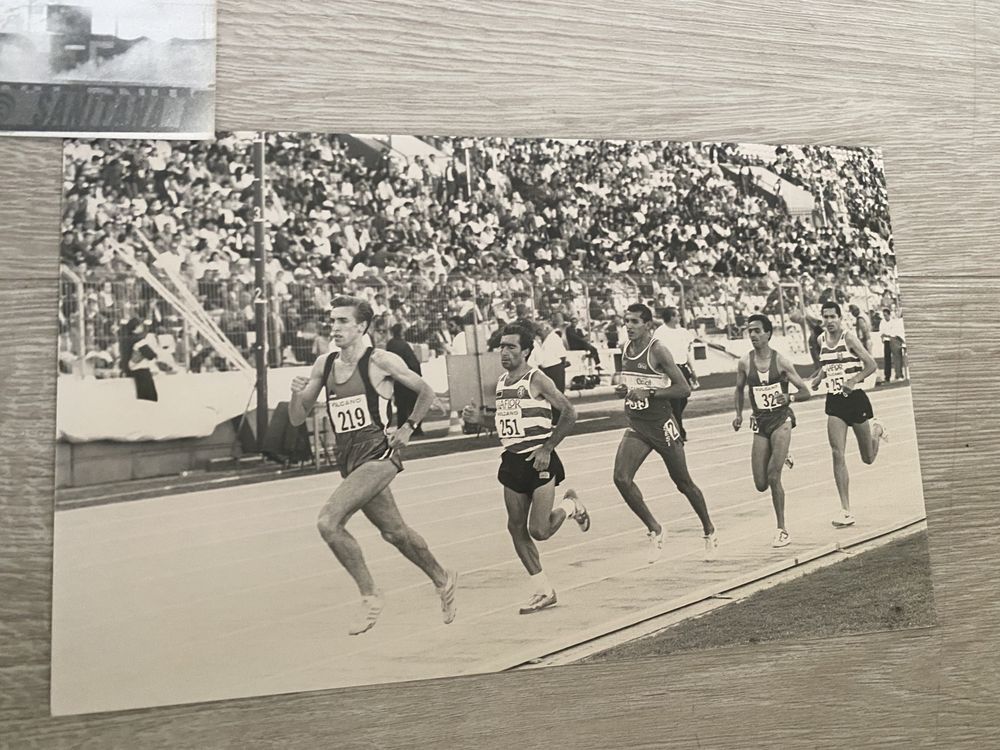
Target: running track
(230, 592)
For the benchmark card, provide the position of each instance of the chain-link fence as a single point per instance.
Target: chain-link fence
(432, 313)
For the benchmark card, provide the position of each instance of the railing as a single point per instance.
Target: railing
(92, 309)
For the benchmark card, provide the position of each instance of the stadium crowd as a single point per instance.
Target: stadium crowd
(574, 227)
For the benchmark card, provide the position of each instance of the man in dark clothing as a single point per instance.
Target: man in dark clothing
(576, 339)
(405, 398)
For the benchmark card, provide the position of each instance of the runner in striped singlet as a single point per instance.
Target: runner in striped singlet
(359, 383)
(771, 420)
(844, 366)
(530, 468)
(651, 379)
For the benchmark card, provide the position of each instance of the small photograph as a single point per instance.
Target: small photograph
(346, 409)
(127, 68)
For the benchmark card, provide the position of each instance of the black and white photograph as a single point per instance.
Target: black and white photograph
(337, 410)
(90, 68)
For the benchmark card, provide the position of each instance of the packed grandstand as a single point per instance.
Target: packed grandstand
(438, 232)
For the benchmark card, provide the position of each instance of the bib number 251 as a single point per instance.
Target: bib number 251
(508, 428)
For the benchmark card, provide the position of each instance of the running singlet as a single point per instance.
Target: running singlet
(839, 364)
(523, 421)
(356, 410)
(766, 387)
(638, 372)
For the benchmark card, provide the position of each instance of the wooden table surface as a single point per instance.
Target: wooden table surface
(920, 80)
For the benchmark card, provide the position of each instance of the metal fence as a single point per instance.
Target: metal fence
(431, 312)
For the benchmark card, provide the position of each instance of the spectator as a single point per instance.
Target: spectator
(893, 340)
(405, 398)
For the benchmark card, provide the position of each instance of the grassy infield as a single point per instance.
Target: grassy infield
(886, 588)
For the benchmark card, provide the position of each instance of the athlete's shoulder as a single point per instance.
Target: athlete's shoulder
(320, 364)
(660, 351)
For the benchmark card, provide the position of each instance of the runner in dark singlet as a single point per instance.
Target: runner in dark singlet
(359, 386)
(844, 366)
(650, 380)
(772, 419)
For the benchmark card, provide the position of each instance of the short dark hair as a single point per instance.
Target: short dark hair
(763, 320)
(644, 312)
(526, 338)
(396, 329)
(669, 313)
(363, 312)
(831, 305)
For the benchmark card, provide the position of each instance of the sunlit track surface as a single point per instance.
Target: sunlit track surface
(231, 592)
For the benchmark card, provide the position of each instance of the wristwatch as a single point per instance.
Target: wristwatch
(413, 425)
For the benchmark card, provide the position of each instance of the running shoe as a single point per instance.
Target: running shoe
(711, 546)
(780, 539)
(655, 545)
(580, 515)
(538, 602)
(371, 608)
(884, 436)
(844, 519)
(790, 461)
(447, 594)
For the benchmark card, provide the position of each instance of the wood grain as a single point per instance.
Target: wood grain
(920, 80)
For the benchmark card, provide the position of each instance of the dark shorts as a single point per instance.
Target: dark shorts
(853, 408)
(662, 437)
(517, 473)
(765, 423)
(351, 455)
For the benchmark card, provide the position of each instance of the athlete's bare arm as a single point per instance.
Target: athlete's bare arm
(305, 391)
(395, 368)
(866, 359)
(545, 388)
(741, 381)
(803, 393)
(664, 362)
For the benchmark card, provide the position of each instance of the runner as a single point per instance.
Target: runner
(359, 384)
(530, 468)
(651, 380)
(771, 419)
(844, 366)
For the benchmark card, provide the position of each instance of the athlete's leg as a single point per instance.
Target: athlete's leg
(677, 406)
(383, 512)
(543, 519)
(868, 441)
(517, 525)
(676, 463)
(760, 454)
(364, 483)
(631, 453)
(836, 432)
(781, 438)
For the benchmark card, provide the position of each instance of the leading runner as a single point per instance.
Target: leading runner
(771, 420)
(530, 468)
(359, 388)
(844, 366)
(651, 379)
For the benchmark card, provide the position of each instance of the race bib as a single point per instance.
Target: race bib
(350, 413)
(508, 418)
(754, 427)
(834, 377)
(670, 432)
(768, 397)
(637, 404)
(637, 381)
